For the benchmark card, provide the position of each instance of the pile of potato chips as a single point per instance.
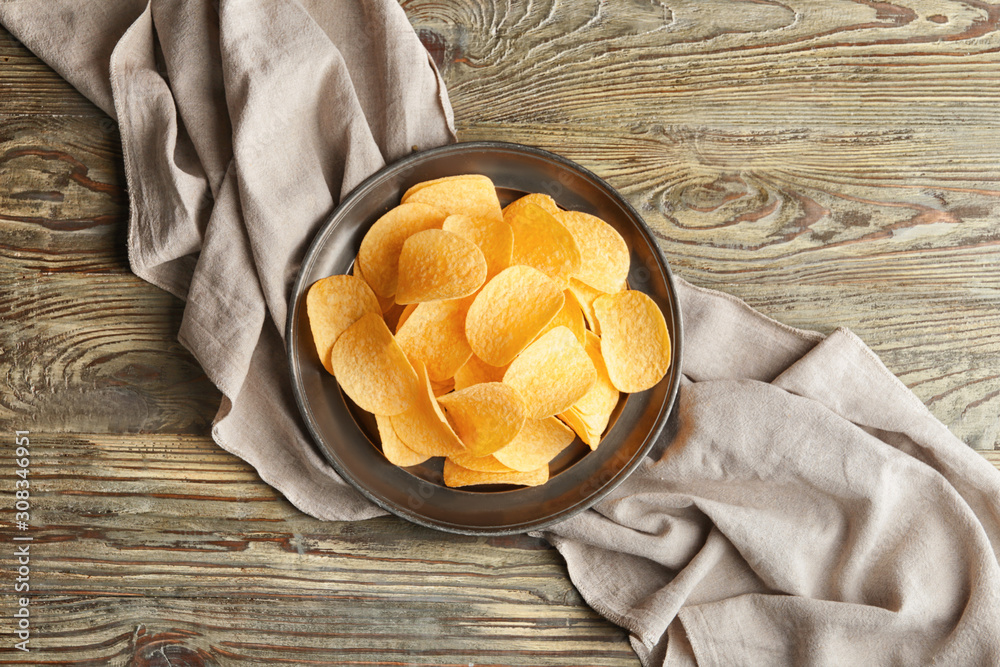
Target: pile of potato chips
(489, 336)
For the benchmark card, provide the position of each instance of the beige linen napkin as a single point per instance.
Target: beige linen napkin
(804, 507)
(243, 124)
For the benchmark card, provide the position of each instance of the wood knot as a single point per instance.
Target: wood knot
(435, 44)
(167, 649)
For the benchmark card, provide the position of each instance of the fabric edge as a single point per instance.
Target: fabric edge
(805, 334)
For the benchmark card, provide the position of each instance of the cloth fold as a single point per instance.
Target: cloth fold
(803, 506)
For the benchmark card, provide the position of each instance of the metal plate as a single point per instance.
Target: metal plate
(347, 437)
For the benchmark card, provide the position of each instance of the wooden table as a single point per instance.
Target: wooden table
(833, 163)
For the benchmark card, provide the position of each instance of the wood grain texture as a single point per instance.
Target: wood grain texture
(93, 347)
(144, 540)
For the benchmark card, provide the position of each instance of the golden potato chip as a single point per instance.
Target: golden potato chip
(571, 317)
(424, 428)
(333, 304)
(552, 373)
(378, 256)
(455, 476)
(485, 416)
(539, 441)
(384, 304)
(475, 371)
(393, 448)
(543, 201)
(479, 463)
(372, 369)
(588, 427)
(435, 265)
(604, 256)
(584, 295)
(434, 333)
(634, 340)
(601, 399)
(509, 312)
(473, 195)
(444, 179)
(543, 242)
(493, 236)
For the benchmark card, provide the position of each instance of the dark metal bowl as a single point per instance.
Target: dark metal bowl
(347, 436)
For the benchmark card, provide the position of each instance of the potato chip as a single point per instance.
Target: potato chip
(571, 317)
(372, 369)
(434, 333)
(473, 195)
(509, 312)
(494, 237)
(393, 448)
(485, 416)
(601, 399)
(543, 242)
(604, 256)
(543, 201)
(479, 463)
(634, 340)
(378, 256)
(584, 295)
(435, 265)
(332, 305)
(552, 373)
(539, 441)
(455, 476)
(588, 427)
(475, 371)
(424, 428)
(444, 179)
(590, 415)
(385, 304)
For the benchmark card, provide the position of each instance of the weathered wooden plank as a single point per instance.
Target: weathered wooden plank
(97, 352)
(144, 535)
(311, 630)
(723, 62)
(62, 174)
